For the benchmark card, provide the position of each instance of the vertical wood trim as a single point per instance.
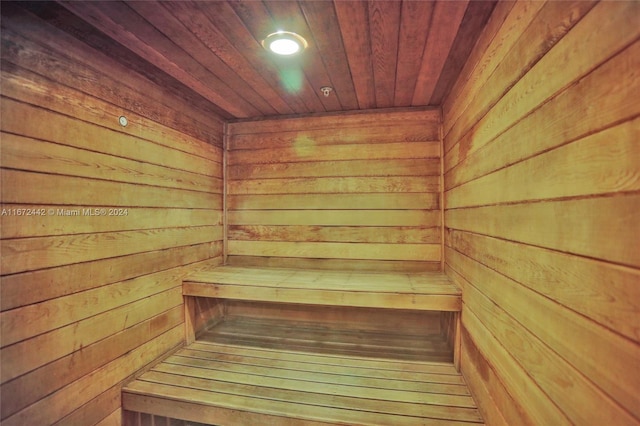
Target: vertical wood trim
(225, 180)
(457, 340)
(441, 192)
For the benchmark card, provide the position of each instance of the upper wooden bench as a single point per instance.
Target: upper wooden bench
(428, 291)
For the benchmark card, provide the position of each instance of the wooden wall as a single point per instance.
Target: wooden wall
(542, 194)
(347, 191)
(89, 299)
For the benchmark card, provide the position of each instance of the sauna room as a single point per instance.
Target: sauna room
(347, 212)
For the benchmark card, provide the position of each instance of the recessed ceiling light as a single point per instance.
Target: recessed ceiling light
(284, 43)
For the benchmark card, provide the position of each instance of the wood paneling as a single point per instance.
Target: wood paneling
(542, 189)
(335, 187)
(99, 222)
(375, 54)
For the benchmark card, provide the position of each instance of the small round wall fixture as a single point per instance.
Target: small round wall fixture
(123, 121)
(284, 43)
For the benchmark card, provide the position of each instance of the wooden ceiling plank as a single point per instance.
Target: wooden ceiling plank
(447, 17)
(194, 19)
(473, 22)
(323, 22)
(66, 21)
(384, 27)
(414, 29)
(257, 19)
(181, 34)
(117, 21)
(353, 19)
(224, 18)
(288, 16)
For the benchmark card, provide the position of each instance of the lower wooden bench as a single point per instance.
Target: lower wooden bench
(225, 384)
(430, 291)
(278, 346)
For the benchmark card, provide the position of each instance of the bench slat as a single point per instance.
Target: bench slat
(431, 291)
(204, 378)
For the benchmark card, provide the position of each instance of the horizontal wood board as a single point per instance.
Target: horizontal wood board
(542, 189)
(357, 187)
(99, 222)
(420, 291)
(219, 383)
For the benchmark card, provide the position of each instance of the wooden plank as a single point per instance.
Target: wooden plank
(547, 23)
(329, 374)
(369, 201)
(552, 224)
(613, 299)
(423, 252)
(353, 22)
(360, 234)
(311, 381)
(471, 28)
(42, 189)
(113, 419)
(564, 118)
(31, 287)
(371, 133)
(241, 396)
(384, 29)
(38, 123)
(338, 152)
(21, 255)
(346, 319)
(445, 23)
(322, 22)
(67, 399)
(539, 407)
(376, 117)
(196, 19)
(606, 162)
(335, 217)
(409, 371)
(405, 283)
(29, 355)
(416, 20)
(407, 167)
(333, 185)
(569, 334)
(164, 405)
(326, 297)
(72, 220)
(507, 20)
(49, 315)
(148, 42)
(37, 156)
(420, 291)
(37, 384)
(616, 30)
(494, 401)
(97, 410)
(546, 369)
(341, 264)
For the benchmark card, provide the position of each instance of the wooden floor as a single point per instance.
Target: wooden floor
(249, 372)
(430, 291)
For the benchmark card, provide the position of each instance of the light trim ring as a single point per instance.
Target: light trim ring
(284, 43)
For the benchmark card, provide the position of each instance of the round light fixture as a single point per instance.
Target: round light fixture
(284, 43)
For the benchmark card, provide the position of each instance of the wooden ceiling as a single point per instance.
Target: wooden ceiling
(375, 54)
